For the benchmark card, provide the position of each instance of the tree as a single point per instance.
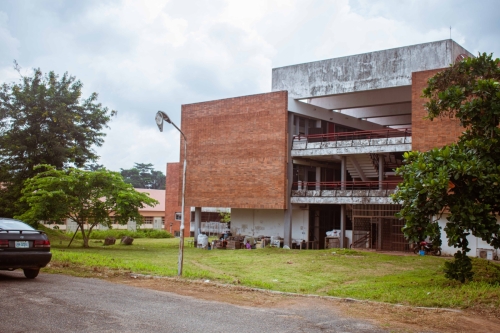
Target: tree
(83, 196)
(143, 176)
(460, 180)
(93, 167)
(225, 217)
(44, 120)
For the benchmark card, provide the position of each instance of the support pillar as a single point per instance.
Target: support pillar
(287, 238)
(318, 178)
(380, 171)
(197, 222)
(343, 171)
(342, 227)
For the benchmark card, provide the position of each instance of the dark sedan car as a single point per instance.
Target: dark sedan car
(23, 247)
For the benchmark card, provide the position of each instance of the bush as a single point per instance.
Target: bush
(486, 271)
(118, 234)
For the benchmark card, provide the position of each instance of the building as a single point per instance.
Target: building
(209, 217)
(154, 217)
(318, 153)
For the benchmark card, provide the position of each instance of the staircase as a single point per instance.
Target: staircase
(361, 167)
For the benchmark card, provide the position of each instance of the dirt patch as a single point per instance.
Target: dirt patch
(392, 317)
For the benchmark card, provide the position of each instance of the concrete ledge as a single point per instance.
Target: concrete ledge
(342, 200)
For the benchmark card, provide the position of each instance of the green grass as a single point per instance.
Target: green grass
(411, 280)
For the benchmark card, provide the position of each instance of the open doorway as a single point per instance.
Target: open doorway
(323, 218)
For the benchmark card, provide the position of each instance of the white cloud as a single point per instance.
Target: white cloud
(10, 45)
(128, 142)
(156, 55)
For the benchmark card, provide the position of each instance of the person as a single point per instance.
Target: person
(248, 246)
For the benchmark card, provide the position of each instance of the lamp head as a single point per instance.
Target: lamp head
(160, 117)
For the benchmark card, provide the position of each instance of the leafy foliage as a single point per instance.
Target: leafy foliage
(225, 217)
(44, 120)
(83, 196)
(143, 176)
(462, 179)
(143, 233)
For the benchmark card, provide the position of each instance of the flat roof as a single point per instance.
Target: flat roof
(362, 72)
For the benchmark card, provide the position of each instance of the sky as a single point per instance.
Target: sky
(145, 56)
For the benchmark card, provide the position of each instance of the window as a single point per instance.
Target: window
(148, 220)
(178, 216)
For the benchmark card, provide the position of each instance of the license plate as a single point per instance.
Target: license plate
(22, 244)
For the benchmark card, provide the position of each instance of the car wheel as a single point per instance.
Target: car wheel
(31, 273)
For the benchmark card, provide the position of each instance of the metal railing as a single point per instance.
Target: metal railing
(362, 188)
(358, 135)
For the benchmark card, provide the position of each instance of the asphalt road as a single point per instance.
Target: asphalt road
(58, 303)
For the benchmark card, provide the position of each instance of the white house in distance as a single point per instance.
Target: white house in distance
(153, 216)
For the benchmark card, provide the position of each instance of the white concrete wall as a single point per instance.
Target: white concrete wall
(300, 223)
(268, 222)
(374, 70)
(257, 222)
(474, 242)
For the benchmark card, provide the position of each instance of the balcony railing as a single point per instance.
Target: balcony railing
(344, 189)
(351, 136)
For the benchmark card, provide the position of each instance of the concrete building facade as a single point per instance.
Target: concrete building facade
(318, 153)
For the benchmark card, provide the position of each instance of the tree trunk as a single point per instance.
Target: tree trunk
(84, 237)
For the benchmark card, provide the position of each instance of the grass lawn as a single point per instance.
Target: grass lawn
(410, 280)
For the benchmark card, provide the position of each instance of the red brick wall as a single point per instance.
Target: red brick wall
(237, 151)
(428, 134)
(172, 200)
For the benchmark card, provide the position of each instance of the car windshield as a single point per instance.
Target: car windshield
(14, 225)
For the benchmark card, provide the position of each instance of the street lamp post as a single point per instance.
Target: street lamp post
(160, 117)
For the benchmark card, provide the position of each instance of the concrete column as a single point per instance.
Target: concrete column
(379, 237)
(343, 170)
(197, 222)
(318, 178)
(380, 171)
(342, 226)
(289, 176)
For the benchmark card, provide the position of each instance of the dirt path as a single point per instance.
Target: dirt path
(392, 317)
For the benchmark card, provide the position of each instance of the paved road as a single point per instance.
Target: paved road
(58, 303)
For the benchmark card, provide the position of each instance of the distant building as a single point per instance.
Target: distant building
(153, 216)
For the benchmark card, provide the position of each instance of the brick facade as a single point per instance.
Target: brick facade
(173, 202)
(237, 152)
(427, 134)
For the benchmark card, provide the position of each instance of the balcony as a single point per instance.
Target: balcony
(348, 143)
(353, 192)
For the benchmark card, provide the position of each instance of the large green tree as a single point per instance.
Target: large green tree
(460, 180)
(142, 175)
(45, 120)
(86, 197)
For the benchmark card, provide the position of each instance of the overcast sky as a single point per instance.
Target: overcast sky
(145, 56)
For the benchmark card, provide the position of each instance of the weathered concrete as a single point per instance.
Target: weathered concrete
(350, 147)
(364, 99)
(342, 200)
(368, 71)
(317, 112)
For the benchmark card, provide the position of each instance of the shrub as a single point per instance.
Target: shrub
(486, 271)
(118, 234)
